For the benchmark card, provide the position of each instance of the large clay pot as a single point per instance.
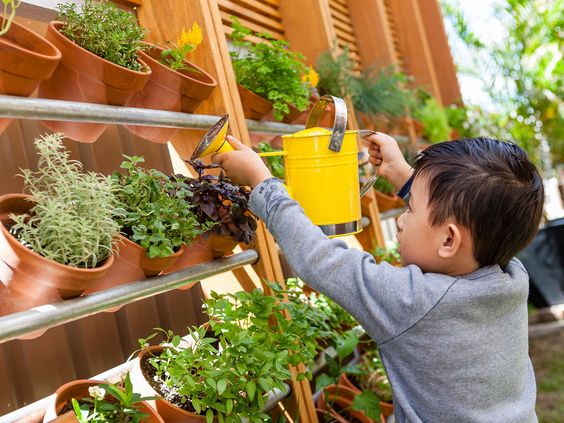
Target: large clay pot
(198, 251)
(168, 411)
(221, 245)
(151, 266)
(254, 106)
(26, 59)
(167, 89)
(84, 76)
(31, 280)
(79, 389)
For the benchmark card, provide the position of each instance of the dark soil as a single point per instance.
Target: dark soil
(160, 386)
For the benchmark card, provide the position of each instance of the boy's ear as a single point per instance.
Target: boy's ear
(451, 241)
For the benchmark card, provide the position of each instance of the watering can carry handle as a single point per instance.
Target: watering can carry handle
(339, 124)
(368, 184)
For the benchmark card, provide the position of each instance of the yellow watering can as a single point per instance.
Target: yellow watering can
(321, 167)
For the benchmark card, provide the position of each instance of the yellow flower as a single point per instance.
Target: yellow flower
(312, 77)
(192, 37)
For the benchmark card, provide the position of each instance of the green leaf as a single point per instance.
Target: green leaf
(209, 415)
(368, 403)
(221, 386)
(251, 388)
(322, 381)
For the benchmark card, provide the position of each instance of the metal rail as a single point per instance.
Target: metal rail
(51, 315)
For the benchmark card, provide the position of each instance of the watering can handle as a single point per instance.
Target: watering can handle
(339, 124)
(368, 184)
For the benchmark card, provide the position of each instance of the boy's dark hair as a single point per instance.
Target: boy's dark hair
(488, 186)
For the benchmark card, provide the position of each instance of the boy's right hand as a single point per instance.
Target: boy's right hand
(385, 152)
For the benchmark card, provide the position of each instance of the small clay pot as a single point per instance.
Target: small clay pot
(86, 77)
(167, 89)
(388, 202)
(197, 252)
(221, 245)
(79, 389)
(342, 397)
(26, 59)
(152, 266)
(254, 106)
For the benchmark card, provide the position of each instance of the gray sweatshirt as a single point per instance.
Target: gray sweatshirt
(455, 348)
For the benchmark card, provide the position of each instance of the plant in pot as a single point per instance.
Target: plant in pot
(154, 215)
(97, 401)
(175, 83)
(269, 75)
(386, 196)
(222, 206)
(390, 255)
(226, 370)
(58, 240)
(100, 61)
(26, 59)
(434, 119)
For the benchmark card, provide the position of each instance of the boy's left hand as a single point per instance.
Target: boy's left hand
(242, 165)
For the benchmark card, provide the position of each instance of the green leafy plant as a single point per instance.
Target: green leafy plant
(8, 14)
(384, 186)
(108, 402)
(434, 119)
(390, 255)
(188, 41)
(220, 205)
(232, 364)
(71, 221)
(373, 377)
(274, 163)
(105, 30)
(336, 74)
(153, 210)
(270, 69)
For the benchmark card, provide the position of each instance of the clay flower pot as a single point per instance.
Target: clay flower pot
(79, 389)
(254, 106)
(198, 251)
(167, 89)
(26, 59)
(30, 279)
(150, 266)
(337, 401)
(327, 117)
(386, 408)
(221, 245)
(86, 77)
(388, 202)
(168, 411)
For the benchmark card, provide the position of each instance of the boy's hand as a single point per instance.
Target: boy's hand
(243, 166)
(385, 152)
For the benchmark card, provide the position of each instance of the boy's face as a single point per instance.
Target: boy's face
(419, 241)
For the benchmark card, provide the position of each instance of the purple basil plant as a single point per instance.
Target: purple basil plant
(217, 200)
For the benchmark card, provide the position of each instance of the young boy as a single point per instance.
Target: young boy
(451, 325)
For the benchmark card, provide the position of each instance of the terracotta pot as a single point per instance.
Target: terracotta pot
(125, 268)
(167, 89)
(334, 397)
(254, 106)
(221, 245)
(388, 202)
(30, 279)
(151, 266)
(84, 76)
(198, 251)
(79, 389)
(387, 408)
(293, 115)
(168, 411)
(26, 59)
(327, 118)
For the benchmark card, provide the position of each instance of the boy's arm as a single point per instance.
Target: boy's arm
(384, 299)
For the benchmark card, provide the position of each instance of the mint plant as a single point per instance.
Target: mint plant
(71, 221)
(105, 30)
(270, 69)
(153, 209)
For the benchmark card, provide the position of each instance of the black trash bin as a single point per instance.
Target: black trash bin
(544, 260)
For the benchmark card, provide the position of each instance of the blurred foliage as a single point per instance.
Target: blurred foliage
(524, 75)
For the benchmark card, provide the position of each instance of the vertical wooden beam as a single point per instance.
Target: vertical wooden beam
(440, 51)
(414, 46)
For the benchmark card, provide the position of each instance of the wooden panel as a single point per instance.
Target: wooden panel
(260, 17)
(343, 28)
(413, 44)
(440, 51)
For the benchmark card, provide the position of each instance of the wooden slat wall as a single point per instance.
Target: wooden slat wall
(344, 29)
(260, 16)
(399, 58)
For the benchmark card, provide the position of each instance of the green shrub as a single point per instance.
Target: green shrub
(270, 70)
(336, 74)
(72, 219)
(435, 121)
(384, 186)
(105, 30)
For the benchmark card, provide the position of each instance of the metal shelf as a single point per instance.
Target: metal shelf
(51, 315)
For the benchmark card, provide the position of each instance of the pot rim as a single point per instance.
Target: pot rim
(13, 43)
